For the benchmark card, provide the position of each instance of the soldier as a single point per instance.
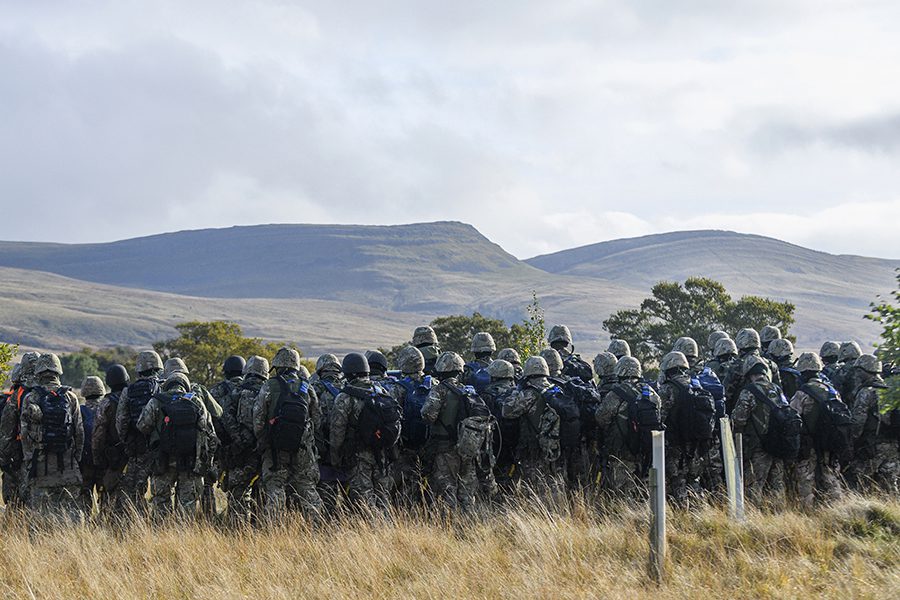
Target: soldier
(829, 355)
(843, 378)
(425, 339)
(605, 367)
(92, 389)
(244, 459)
(233, 372)
(495, 395)
(511, 356)
(365, 427)
(327, 383)
(378, 368)
(133, 484)
(712, 340)
(22, 378)
(767, 335)
(52, 443)
(453, 480)
(560, 339)
(825, 437)
(688, 347)
(182, 441)
(619, 348)
(781, 352)
(475, 373)
(723, 354)
(284, 416)
(627, 441)
(107, 448)
(875, 429)
(748, 344)
(411, 393)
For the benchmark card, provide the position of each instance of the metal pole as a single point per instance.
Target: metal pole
(658, 507)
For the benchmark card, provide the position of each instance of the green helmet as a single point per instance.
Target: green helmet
(849, 352)
(809, 361)
(500, 369)
(553, 360)
(830, 350)
(605, 364)
(411, 360)
(483, 342)
(304, 372)
(536, 366)
(559, 333)
(687, 346)
(769, 333)
(510, 355)
(48, 363)
(781, 348)
(177, 379)
(175, 365)
(286, 358)
(449, 362)
(328, 362)
(628, 367)
(755, 363)
(619, 348)
(28, 362)
(148, 360)
(257, 365)
(673, 360)
(724, 347)
(92, 386)
(747, 339)
(868, 363)
(714, 338)
(423, 336)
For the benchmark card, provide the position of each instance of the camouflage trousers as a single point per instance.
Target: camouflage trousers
(621, 478)
(453, 481)
(883, 469)
(484, 473)
(133, 483)
(243, 471)
(175, 488)
(290, 474)
(58, 502)
(685, 467)
(817, 477)
(368, 483)
(764, 476)
(90, 479)
(409, 474)
(12, 487)
(109, 491)
(544, 479)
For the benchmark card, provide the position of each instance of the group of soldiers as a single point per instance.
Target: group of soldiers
(442, 430)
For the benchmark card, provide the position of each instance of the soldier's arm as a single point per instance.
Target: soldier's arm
(315, 411)
(607, 410)
(860, 412)
(261, 411)
(211, 404)
(8, 419)
(666, 401)
(100, 433)
(78, 423)
(340, 415)
(122, 415)
(433, 405)
(229, 415)
(741, 413)
(149, 416)
(519, 404)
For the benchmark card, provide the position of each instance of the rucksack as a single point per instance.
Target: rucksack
(506, 434)
(57, 430)
(575, 366)
(139, 394)
(378, 424)
(87, 419)
(291, 415)
(694, 415)
(830, 429)
(709, 381)
(478, 377)
(566, 406)
(473, 422)
(180, 426)
(781, 438)
(415, 431)
(642, 420)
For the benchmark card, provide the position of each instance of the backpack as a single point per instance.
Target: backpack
(57, 430)
(567, 409)
(781, 438)
(87, 419)
(709, 381)
(378, 424)
(642, 418)
(415, 431)
(179, 431)
(478, 377)
(575, 366)
(694, 415)
(139, 394)
(287, 426)
(830, 428)
(506, 434)
(473, 422)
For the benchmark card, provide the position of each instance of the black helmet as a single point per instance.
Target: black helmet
(355, 364)
(117, 377)
(233, 366)
(377, 359)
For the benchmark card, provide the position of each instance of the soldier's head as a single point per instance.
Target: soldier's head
(500, 370)
(28, 363)
(48, 367)
(536, 368)
(619, 348)
(605, 365)
(781, 351)
(725, 350)
(92, 387)
(411, 361)
(448, 364)
(378, 364)
(177, 382)
(483, 345)
(174, 365)
(674, 365)
(355, 366)
(747, 341)
(233, 366)
(424, 336)
(688, 347)
(511, 356)
(560, 338)
(713, 339)
(628, 368)
(809, 364)
(286, 361)
(849, 352)
(868, 367)
(829, 352)
(755, 369)
(149, 364)
(767, 335)
(257, 366)
(553, 360)
(117, 377)
(15, 374)
(327, 365)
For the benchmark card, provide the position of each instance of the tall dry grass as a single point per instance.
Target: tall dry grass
(851, 549)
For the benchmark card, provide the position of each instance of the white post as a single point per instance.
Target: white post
(732, 463)
(658, 507)
(739, 460)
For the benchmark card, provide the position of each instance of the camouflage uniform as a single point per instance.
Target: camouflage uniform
(108, 451)
(748, 344)
(11, 458)
(483, 347)
(54, 482)
(724, 355)
(844, 375)
(684, 464)
(327, 383)
(221, 392)
(411, 466)
(511, 356)
(877, 457)
(92, 389)
(425, 339)
(499, 391)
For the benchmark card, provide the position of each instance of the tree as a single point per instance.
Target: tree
(695, 309)
(204, 346)
(887, 313)
(77, 366)
(530, 337)
(7, 352)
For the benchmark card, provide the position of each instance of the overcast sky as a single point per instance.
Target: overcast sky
(545, 124)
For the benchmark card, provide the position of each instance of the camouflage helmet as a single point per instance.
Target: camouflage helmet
(483, 342)
(175, 365)
(687, 346)
(830, 349)
(714, 338)
(619, 348)
(411, 360)
(673, 360)
(725, 346)
(868, 363)
(628, 367)
(605, 364)
(510, 355)
(769, 333)
(28, 362)
(559, 333)
(849, 352)
(755, 363)
(809, 361)
(536, 366)
(501, 369)
(15, 375)
(747, 339)
(304, 372)
(179, 379)
(781, 348)
(257, 365)
(553, 360)
(424, 336)
(92, 386)
(148, 360)
(327, 362)
(449, 362)
(286, 358)
(48, 363)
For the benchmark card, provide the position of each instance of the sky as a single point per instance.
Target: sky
(547, 125)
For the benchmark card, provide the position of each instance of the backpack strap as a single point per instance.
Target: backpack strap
(332, 389)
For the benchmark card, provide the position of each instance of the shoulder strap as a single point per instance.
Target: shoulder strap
(625, 393)
(332, 389)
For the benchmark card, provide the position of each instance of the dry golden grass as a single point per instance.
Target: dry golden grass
(848, 550)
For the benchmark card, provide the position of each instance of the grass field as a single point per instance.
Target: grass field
(851, 549)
